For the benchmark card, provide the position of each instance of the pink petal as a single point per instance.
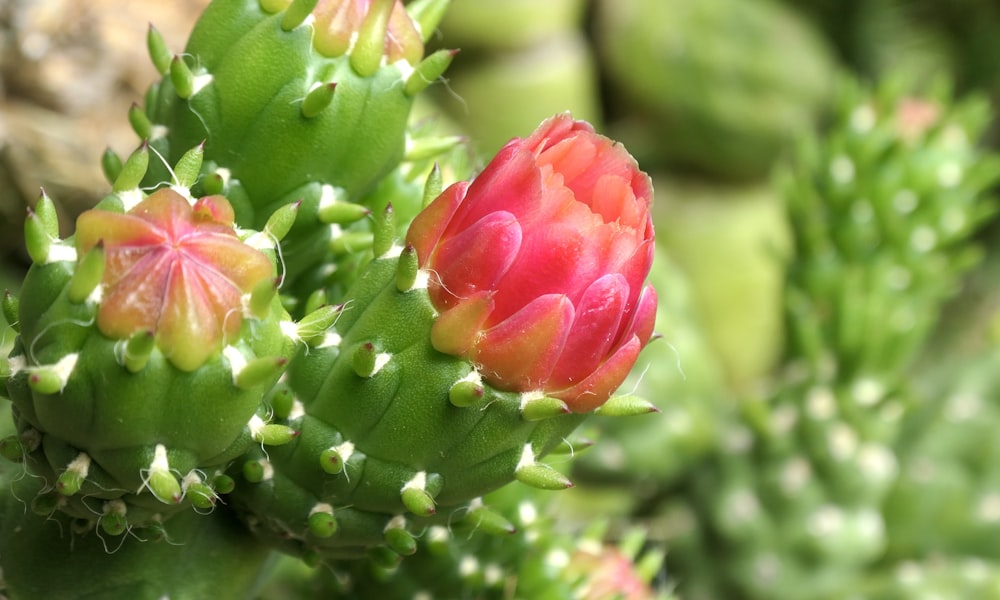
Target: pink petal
(224, 254)
(456, 330)
(426, 229)
(191, 326)
(520, 353)
(595, 390)
(115, 229)
(135, 302)
(595, 328)
(475, 259)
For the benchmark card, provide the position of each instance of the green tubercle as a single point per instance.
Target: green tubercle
(318, 98)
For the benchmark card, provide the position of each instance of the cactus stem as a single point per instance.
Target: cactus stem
(322, 523)
(626, 405)
(70, 480)
(427, 15)
(297, 13)
(11, 308)
(433, 185)
(317, 99)
(159, 54)
(428, 71)
(188, 167)
(52, 379)
(270, 434)
(468, 391)
(160, 481)
(367, 360)
(398, 538)
(87, 277)
(415, 496)
(133, 170)
(539, 475)
(335, 208)
(367, 53)
(484, 518)
(113, 520)
(312, 328)
(408, 270)
(426, 148)
(536, 406)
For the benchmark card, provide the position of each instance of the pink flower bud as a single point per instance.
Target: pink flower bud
(175, 270)
(538, 265)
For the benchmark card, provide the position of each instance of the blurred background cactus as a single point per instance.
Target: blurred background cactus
(827, 257)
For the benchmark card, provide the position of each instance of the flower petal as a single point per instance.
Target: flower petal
(595, 390)
(598, 316)
(475, 259)
(520, 353)
(426, 229)
(456, 330)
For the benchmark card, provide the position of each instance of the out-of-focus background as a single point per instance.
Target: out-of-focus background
(713, 97)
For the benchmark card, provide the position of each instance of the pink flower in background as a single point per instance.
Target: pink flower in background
(176, 270)
(538, 265)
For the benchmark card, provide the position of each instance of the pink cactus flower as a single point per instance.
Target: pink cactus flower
(173, 269)
(538, 265)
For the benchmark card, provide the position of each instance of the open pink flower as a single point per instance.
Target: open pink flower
(174, 269)
(538, 265)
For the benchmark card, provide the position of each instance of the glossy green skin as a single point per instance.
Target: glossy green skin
(400, 421)
(118, 417)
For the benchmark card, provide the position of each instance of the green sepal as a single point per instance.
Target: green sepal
(133, 170)
(427, 15)
(483, 518)
(188, 167)
(626, 405)
(139, 121)
(407, 269)
(181, 77)
(318, 99)
(280, 222)
(10, 306)
(542, 476)
(36, 240)
(400, 540)
(418, 501)
(366, 55)
(111, 165)
(88, 274)
(159, 54)
(312, 327)
(384, 231)
(47, 214)
(535, 408)
(466, 393)
(296, 13)
(322, 523)
(259, 371)
(428, 71)
(138, 349)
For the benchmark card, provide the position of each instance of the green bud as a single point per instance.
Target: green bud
(318, 99)
(111, 165)
(158, 51)
(536, 408)
(133, 170)
(466, 393)
(281, 220)
(182, 77)
(259, 371)
(88, 274)
(188, 168)
(139, 121)
(428, 71)
(321, 522)
(11, 307)
(625, 406)
(407, 269)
